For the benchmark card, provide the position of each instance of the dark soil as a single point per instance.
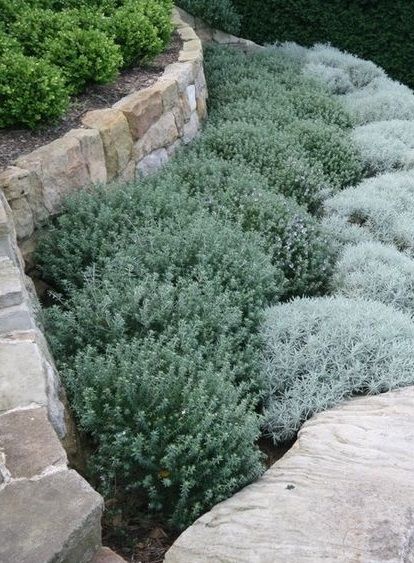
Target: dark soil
(17, 142)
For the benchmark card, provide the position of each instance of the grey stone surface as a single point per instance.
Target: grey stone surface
(16, 318)
(343, 493)
(29, 443)
(51, 520)
(22, 377)
(11, 289)
(152, 163)
(106, 555)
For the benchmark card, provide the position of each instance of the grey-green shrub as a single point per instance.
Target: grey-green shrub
(275, 155)
(383, 206)
(321, 351)
(293, 239)
(31, 90)
(175, 436)
(376, 271)
(385, 146)
(340, 232)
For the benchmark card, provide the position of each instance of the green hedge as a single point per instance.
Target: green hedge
(379, 30)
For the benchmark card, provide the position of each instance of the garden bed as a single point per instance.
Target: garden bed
(15, 142)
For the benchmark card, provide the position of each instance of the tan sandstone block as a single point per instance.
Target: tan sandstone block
(61, 168)
(193, 55)
(168, 89)
(93, 153)
(142, 109)
(193, 45)
(116, 137)
(162, 134)
(187, 33)
(182, 73)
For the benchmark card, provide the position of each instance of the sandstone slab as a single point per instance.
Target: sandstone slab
(152, 163)
(22, 376)
(116, 138)
(142, 109)
(162, 134)
(93, 153)
(106, 555)
(50, 520)
(343, 493)
(11, 288)
(29, 443)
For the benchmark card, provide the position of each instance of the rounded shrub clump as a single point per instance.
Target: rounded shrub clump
(133, 31)
(85, 56)
(31, 90)
(383, 206)
(385, 145)
(321, 351)
(378, 272)
(175, 437)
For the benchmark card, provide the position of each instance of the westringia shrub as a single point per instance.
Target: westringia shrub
(385, 146)
(161, 288)
(321, 351)
(168, 425)
(383, 206)
(378, 272)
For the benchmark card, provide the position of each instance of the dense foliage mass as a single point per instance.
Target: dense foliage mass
(163, 285)
(51, 49)
(322, 351)
(379, 30)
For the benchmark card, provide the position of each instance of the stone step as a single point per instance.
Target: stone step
(343, 493)
(49, 520)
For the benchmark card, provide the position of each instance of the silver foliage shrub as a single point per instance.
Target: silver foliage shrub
(321, 351)
(385, 145)
(383, 206)
(341, 72)
(340, 232)
(382, 99)
(372, 270)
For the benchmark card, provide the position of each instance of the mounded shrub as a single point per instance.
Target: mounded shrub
(340, 232)
(134, 32)
(85, 56)
(385, 146)
(321, 351)
(383, 206)
(341, 72)
(275, 155)
(378, 272)
(175, 437)
(31, 90)
(294, 240)
(35, 26)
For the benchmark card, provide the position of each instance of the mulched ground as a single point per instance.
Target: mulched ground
(17, 142)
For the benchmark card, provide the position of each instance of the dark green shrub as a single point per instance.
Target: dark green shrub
(380, 31)
(84, 56)
(8, 43)
(218, 14)
(31, 90)
(166, 425)
(34, 27)
(134, 32)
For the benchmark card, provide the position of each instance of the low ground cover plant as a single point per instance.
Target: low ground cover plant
(72, 44)
(321, 351)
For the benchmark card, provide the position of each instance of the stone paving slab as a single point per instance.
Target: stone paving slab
(51, 520)
(344, 493)
(29, 443)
